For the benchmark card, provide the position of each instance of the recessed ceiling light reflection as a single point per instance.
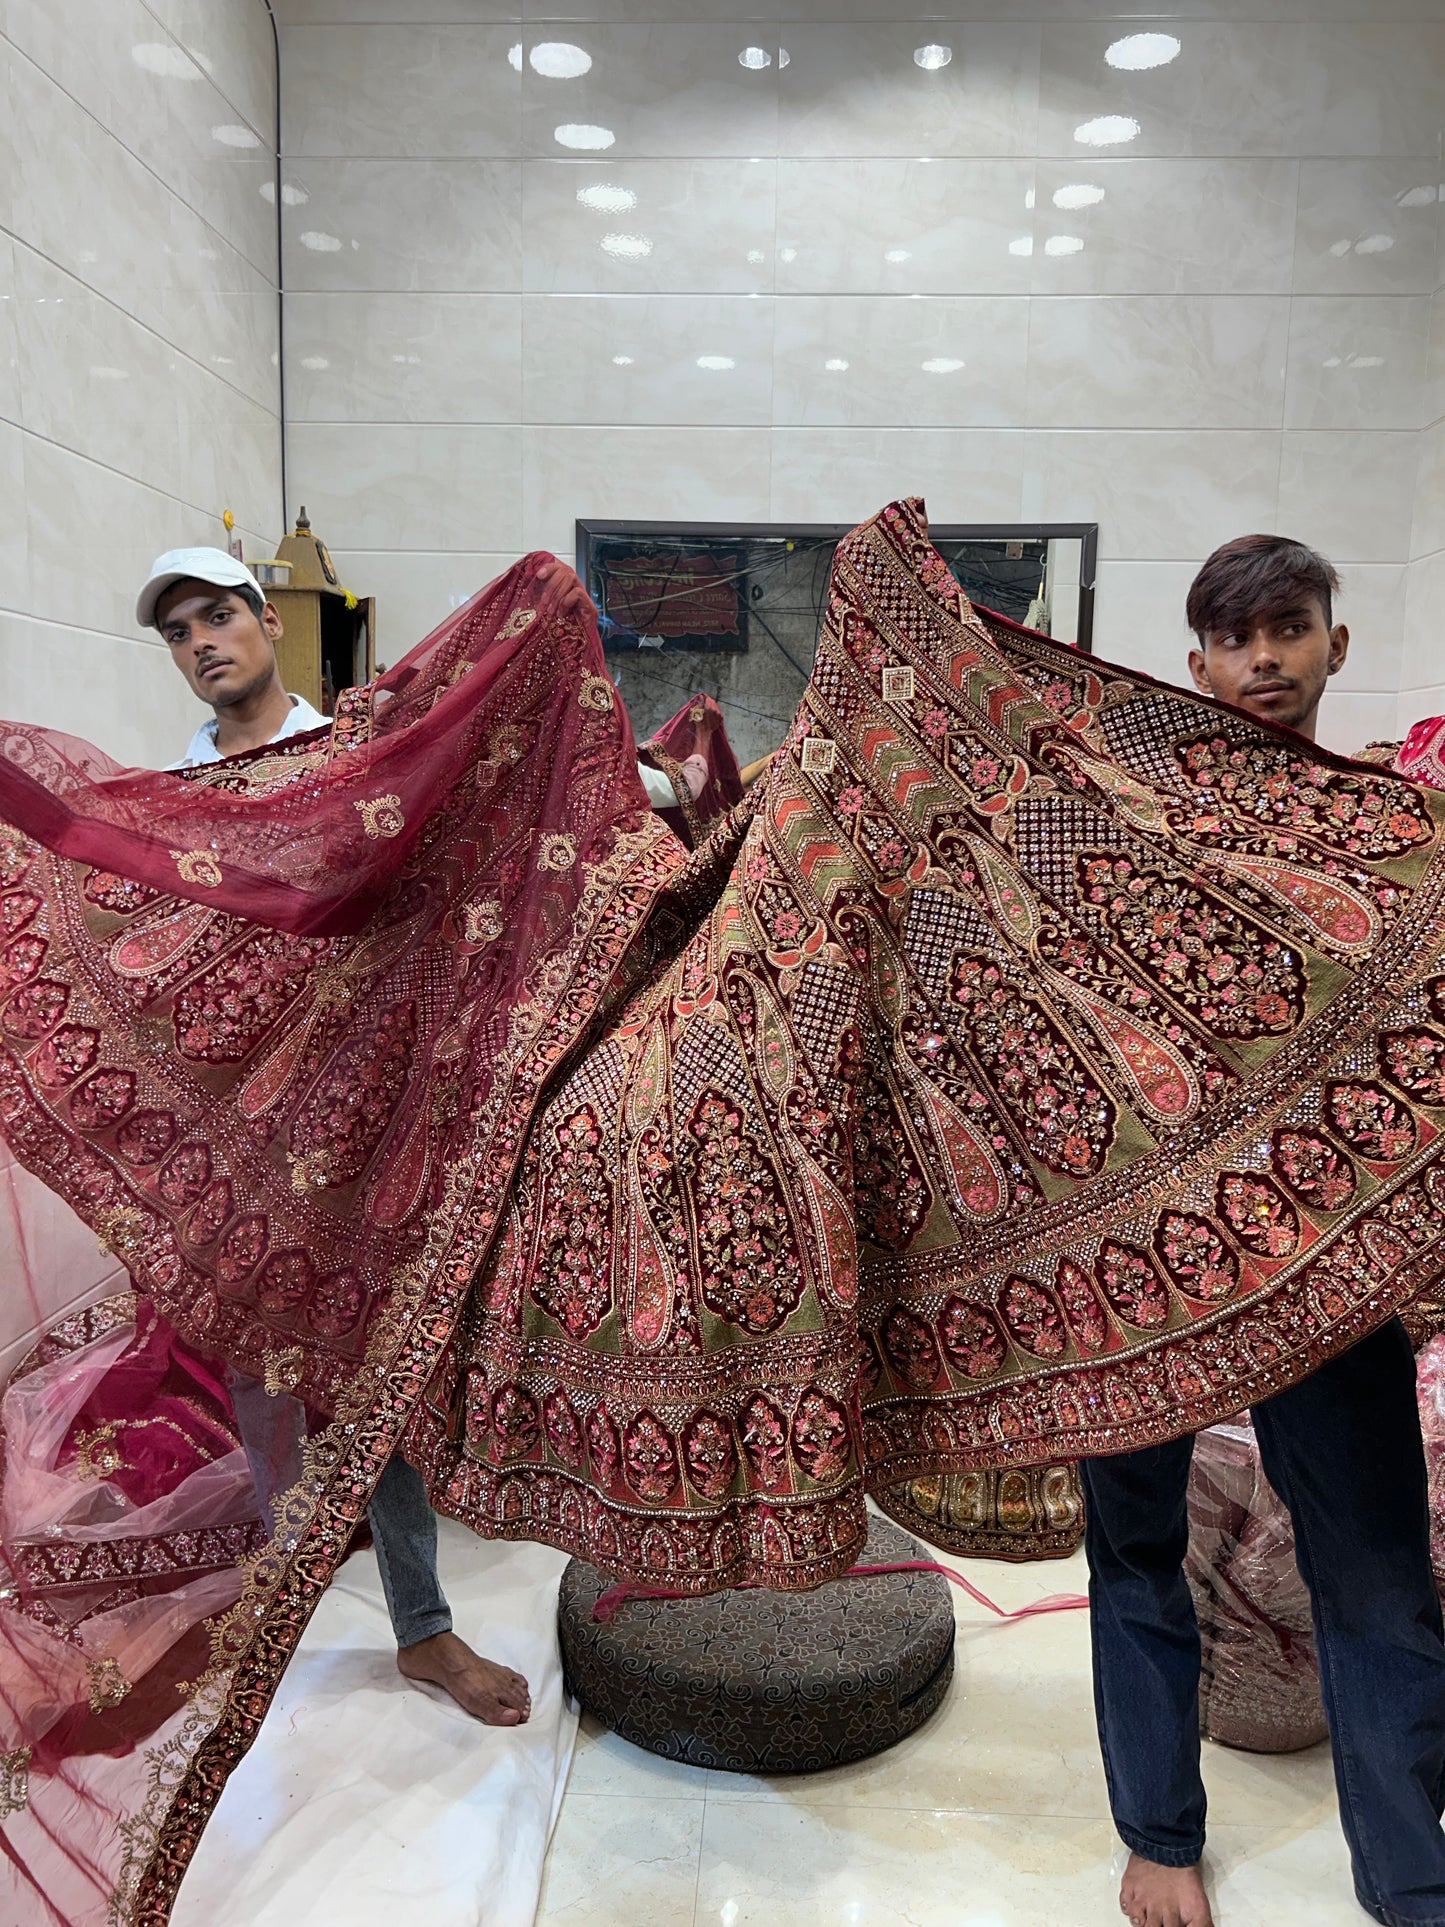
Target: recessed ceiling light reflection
(1375, 244)
(1029, 198)
(755, 58)
(1063, 244)
(233, 135)
(622, 361)
(716, 364)
(756, 257)
(942, 365)
(1078, 194)
(408, 361)
(932, 57)
(163, 58)
(607, 198)
(514, 55)
(627, 247)
(1416, 197)
(110, 374)
(897, 254)
(579, 135)
(1107, 130)
(787, 254)
(1021, 244)
(784, 57)
(315, 362)
(320, 243)
(836, 365)
(559, 60)
(1138, 51)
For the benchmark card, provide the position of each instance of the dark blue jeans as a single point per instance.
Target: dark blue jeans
(1343, 1451)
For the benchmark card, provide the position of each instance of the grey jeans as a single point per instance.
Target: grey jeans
(402, 1521)
(405, 1530)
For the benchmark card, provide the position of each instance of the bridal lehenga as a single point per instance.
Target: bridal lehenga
(1039, 1061)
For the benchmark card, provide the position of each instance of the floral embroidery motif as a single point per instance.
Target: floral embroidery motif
(198, 867)
(1132, 1286)
(1317, 1171)
(1067, 1120)
(650, 1455)
(1370, 1121)
(1414, 1061)
(122, 1229)
(1235, 977)
(1258, 1213)
(556, 851)
(381, 816)
(284, 1370)
(972, 1341)
(1033, 1319)
(595, 692)
(911, 1349)
(1088, 1320)
(107, 1684)
(14, 1781)
(709, 1454)
(821, 1444)
(1195, 1257)
(516, 622)
(574, 1284)
(482, 922)
(750, 1275)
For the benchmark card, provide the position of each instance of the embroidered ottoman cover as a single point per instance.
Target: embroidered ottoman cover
(766, 1682)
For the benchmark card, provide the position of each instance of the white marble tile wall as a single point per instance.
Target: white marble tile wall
(775, 260)
(139, 378)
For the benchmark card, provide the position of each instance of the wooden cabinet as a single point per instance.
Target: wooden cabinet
(325, 646)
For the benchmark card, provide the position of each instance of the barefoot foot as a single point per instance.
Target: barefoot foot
(491, 1693)
(1155, 1896)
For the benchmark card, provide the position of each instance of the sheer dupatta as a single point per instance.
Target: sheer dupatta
(295, 1131)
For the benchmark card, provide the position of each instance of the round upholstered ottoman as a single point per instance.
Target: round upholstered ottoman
(766, 1682)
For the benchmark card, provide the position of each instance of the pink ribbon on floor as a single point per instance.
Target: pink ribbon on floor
(617, 1596)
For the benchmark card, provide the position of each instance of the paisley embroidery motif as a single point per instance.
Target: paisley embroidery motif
(381, 816)
(198, 867)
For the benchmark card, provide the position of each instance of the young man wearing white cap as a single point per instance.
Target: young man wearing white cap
(222, 634)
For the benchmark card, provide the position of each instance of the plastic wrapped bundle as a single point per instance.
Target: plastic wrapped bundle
(1259, 1687)
(1430, 1377)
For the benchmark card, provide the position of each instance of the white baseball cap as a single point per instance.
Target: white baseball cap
(222, 571)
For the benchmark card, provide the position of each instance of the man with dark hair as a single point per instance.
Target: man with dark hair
(222, 634)
(1342, 1449)
(1262, 608)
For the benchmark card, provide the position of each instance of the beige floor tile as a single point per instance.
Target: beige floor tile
(844, 1866)
(1281, 1877)
(622, 1862)
(613, 1768)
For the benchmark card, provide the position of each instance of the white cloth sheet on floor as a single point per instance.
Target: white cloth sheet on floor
(369, 1802)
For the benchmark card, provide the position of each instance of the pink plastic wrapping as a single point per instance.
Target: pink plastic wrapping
(1259, 1688)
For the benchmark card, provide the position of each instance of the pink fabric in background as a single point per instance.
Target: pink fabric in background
(50, 1262)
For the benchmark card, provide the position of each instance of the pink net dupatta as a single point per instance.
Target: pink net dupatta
(298, 1177)
(1422, 754)
(697, 731)
(1038, 1061)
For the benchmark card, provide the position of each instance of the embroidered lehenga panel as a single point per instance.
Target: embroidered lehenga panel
(1037, 1062)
